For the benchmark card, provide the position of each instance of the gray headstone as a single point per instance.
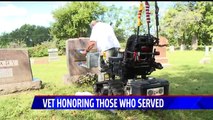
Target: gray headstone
(206, 50)
(182, 47)
(76, 62)
(205, 60)
(53, 54)
(15, 68)
(172, 48)
(75, 58)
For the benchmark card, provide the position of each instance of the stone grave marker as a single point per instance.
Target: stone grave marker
(206, 51)
(206, 59)
(15, 71)
(182, 47)
(162, 58)
(75, 59)
(53, 54)
(171, 48)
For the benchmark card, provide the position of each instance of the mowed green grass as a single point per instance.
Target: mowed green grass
(185, 74)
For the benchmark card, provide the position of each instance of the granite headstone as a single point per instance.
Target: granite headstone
(162, 58)
(15, 71)
(75, 59)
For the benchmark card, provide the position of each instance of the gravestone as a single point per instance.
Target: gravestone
(206, 51)
(53, 54)
(182, 47)
(162, 58)
(75, 59)
(172, 48)
(15, 71)
(206, 59)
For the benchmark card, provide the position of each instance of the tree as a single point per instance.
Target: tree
(4, 40)
(29, 35)
(205, 26)
(73, 19)
(125, 20)
(113, 16)
(179, 23)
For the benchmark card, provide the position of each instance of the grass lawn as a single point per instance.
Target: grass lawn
(185, 74)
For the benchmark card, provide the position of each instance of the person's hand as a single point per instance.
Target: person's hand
(84, 52)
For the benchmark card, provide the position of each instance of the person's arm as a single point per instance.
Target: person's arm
(89, 47)
(92, 42)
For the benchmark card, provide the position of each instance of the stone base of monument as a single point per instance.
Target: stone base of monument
(20, 86)
(205, 60)
(70, 79)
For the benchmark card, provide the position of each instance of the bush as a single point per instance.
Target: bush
(41, 50)
(201, 48)
(87, 80)
(61, 45)
(16, 45)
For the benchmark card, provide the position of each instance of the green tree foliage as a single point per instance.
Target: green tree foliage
(73, 20)
(125, 20)
(30, 35)
(131, 19)
(4, 40)
(187, 21)
(113, 16)
(205, 27)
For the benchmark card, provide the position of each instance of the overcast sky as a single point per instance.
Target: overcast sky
(15, 14)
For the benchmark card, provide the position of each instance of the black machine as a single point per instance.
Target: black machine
(128, 72)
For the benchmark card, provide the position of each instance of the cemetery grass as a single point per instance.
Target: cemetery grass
(185, 74)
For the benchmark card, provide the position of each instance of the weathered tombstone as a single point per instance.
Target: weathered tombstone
(206, 50)
(75, 59)
(171, 48)
(206, 59)
(15, 71)
(182, 47)
(53, 54)
(162, 57)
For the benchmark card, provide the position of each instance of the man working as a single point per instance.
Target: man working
(104, 37)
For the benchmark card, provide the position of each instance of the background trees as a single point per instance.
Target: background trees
(25, 36)
(185, 23)
(73, 20)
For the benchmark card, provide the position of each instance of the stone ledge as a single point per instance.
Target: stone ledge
(21, 86)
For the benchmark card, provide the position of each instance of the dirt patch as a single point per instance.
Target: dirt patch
(43, 60)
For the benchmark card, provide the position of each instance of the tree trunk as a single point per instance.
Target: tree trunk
(194, 42)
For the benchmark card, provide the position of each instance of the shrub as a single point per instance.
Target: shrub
(201, 48)
(61, 45)
(41, 50)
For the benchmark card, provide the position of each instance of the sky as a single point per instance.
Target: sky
(15, 14)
